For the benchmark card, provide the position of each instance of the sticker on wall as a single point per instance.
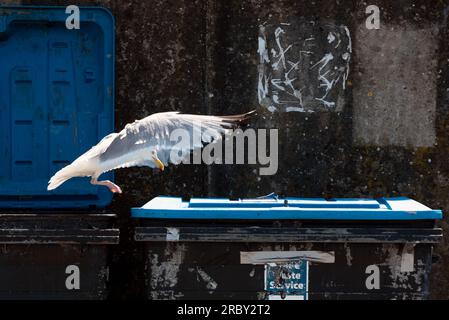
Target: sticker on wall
(287, 281)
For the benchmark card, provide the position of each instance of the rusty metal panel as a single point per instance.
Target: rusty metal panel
(47, 228)
(251, 234)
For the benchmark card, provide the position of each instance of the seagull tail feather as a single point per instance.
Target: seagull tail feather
(62, 176)
(240, 119)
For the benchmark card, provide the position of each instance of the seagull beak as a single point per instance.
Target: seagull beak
(159, 163)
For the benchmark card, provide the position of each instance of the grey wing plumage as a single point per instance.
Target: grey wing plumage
(100, 147)
(154, 132)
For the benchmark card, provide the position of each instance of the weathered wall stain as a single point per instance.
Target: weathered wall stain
(164, 271)
(201, 56)
(202, 275)
(400, 278)
(386, 110)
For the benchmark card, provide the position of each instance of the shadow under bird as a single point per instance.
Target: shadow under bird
(146, 142)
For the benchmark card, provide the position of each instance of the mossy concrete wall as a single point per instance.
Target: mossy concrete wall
(389, 135)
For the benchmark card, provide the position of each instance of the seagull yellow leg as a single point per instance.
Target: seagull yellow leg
(159, 163)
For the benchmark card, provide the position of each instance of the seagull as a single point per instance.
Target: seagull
(146, 142)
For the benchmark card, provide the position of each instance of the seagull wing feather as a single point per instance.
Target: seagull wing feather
(131, 146)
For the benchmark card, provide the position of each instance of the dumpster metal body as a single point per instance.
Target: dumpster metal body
(288, 248)
(55, 256)
(56, 101)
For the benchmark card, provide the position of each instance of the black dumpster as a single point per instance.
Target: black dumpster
(55, 256)
(288, 248)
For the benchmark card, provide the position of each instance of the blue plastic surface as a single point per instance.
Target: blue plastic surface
(289, 208)
(56, 101)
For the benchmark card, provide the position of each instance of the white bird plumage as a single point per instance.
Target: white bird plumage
(144, 142)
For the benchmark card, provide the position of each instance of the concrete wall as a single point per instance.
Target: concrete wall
(386, 136)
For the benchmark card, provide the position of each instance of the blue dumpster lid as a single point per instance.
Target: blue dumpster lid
(286, 208)
(56, 101)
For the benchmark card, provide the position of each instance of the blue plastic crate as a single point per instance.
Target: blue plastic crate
(400, 208)
(56, 101)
